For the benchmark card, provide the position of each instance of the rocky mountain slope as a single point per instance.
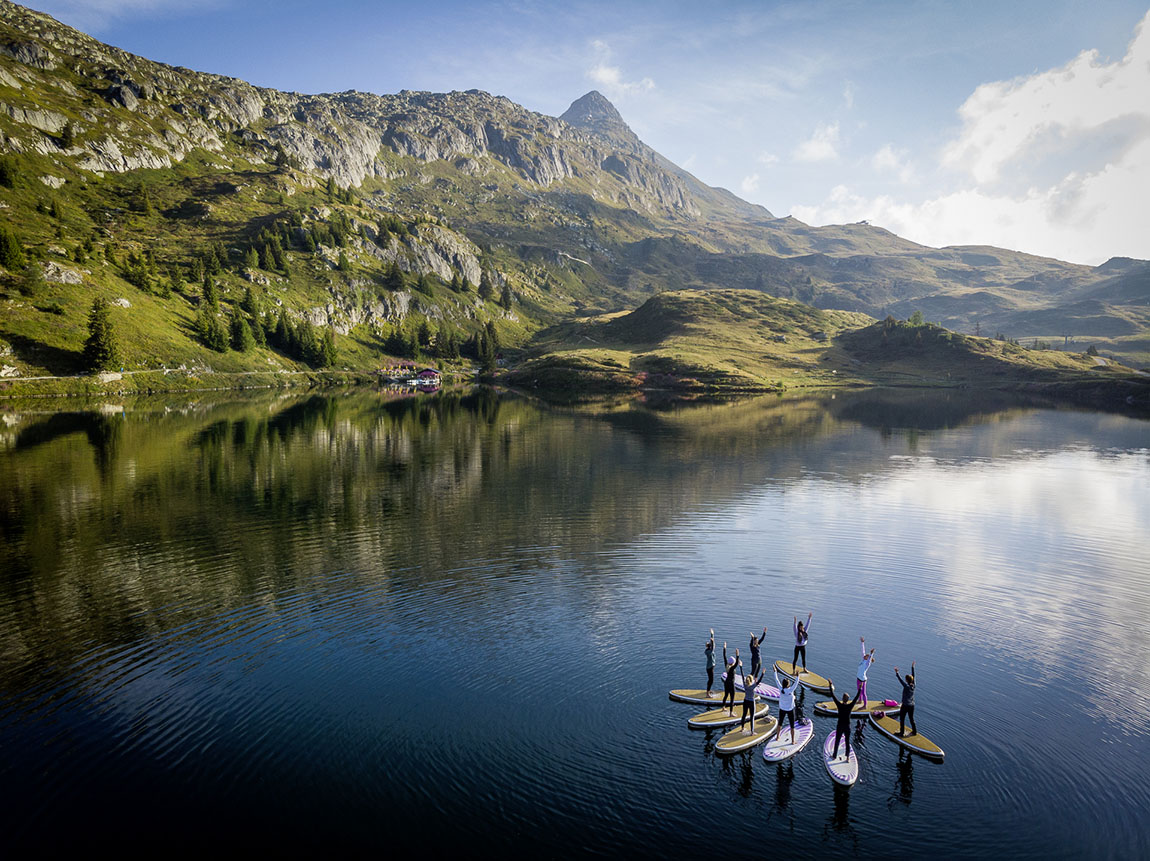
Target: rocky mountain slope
(129, 178)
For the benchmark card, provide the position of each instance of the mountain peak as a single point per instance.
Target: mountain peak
(595, 113)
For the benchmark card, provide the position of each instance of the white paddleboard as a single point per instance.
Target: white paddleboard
(842, 770)
(741, 739)
(765, 691)
(721, 717)
(781, 747)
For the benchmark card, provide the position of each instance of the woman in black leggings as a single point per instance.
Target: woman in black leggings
(801, 641)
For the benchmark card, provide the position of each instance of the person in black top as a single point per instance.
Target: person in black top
(843, 729)
(907, 710)
(733, 665)
(709, 651)
(756, 659)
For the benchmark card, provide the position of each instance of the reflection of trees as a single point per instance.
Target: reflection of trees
(106, 519)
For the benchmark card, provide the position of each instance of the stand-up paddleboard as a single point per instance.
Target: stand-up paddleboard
(841, 769)
(697, 696)
(827, 708)
(811, 680)
(781, 747)
(917, 742)
(741, 739)
(767, 692)
(722, 717)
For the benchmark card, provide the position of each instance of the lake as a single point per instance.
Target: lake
(339, 622)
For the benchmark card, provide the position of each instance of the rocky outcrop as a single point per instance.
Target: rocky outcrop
(154, 115)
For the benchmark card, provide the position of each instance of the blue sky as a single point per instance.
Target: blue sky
(1021, 124)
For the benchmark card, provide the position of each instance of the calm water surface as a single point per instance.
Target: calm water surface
(337, 622)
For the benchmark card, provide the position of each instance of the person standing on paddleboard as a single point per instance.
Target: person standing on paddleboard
(756, 658)
(709, 651)
(801, 642)
(864, 665)
(750, 698)
(843, 727)
(907, 709)
(786, 703)
(733, 666)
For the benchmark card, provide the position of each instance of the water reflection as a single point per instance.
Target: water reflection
(904, 783)
(221, 594)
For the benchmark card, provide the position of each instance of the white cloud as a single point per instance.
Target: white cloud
(820, 146)
(750, 183)
(1056, 163)
(768, 158)
(890, 160)
(1008, 123)
(610, 77)
(849, 95)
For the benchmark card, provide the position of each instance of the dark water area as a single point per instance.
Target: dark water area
(338, 622)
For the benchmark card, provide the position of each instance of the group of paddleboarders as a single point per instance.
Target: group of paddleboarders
(844, 706)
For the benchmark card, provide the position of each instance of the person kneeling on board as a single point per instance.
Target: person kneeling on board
(843, 728)
(750, 698)
(733, 665)
(786, 703)
(907, 710)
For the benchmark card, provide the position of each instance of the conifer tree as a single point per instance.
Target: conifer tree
(11, 249)
(9, 172)
(241, 334)
(100, 349)
(394, 279)
(505, 297)
(328, 353)
(486, 289)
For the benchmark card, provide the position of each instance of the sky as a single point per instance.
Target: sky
(1021, 124)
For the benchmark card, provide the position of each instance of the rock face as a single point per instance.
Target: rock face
(152, 115)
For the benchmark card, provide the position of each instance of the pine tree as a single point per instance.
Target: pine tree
(343, 264)
(9, 172)
(486, 289)
(32, 280)
(67, 136)
(328, 353)
(251, 259)
(394, 279)
(100, 350)
(11, 249)
(241, 334)
(283, 334)
(423, 334)
(211, 296)
(505, 297)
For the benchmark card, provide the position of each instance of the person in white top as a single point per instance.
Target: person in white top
(860, 676)
(786, 703)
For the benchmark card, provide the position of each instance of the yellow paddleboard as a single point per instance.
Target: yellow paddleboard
(811, 680)
(698, 696)
(741, 739)
(917, 742)
(721, 717)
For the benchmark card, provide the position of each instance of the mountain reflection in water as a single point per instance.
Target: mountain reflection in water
(343, 619)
